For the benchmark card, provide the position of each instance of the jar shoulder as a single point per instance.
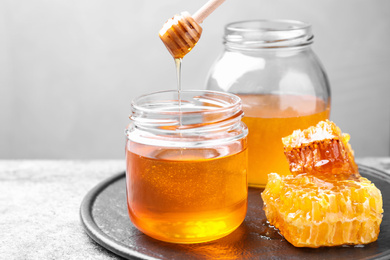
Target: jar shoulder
(269, 71)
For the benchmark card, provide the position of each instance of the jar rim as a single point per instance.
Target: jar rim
(204, 117)
(298, 25)
(262, 33)
(135, 102)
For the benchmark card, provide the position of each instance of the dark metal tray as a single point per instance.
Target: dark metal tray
(104, 216)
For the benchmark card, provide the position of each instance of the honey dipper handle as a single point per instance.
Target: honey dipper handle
(206, 10)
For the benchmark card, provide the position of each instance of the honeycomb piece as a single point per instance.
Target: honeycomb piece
(314, 212)
(320, 149)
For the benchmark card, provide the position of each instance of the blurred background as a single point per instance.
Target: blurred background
(69, 69)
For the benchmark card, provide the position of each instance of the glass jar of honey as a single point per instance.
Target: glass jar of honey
(186, 168)
(282, 84)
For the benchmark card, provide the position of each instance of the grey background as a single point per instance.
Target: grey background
(69, 69)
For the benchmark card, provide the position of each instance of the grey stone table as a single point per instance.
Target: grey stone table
(40, 201)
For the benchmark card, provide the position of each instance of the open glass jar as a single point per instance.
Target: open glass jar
(186, 165)
(283, 87)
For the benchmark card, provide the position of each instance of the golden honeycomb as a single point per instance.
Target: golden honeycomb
(322, 148)
(321, 205)
(313, 212)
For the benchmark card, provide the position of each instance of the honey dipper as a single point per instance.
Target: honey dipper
(182, 32)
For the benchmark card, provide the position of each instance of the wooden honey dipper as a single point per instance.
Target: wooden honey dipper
(181, 33)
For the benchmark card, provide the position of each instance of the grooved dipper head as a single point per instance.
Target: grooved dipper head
(180, 34)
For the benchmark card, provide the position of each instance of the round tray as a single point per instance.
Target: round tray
(105, 218)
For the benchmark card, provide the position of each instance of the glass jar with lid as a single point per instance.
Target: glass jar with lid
(282, 84)
(186, 168)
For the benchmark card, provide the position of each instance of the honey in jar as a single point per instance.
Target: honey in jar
(282, 84)
(273, 117)
(186, 167)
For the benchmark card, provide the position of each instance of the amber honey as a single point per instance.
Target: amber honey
(269, 118)
(185, 195)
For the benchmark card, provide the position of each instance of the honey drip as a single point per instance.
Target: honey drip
(178, 62)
